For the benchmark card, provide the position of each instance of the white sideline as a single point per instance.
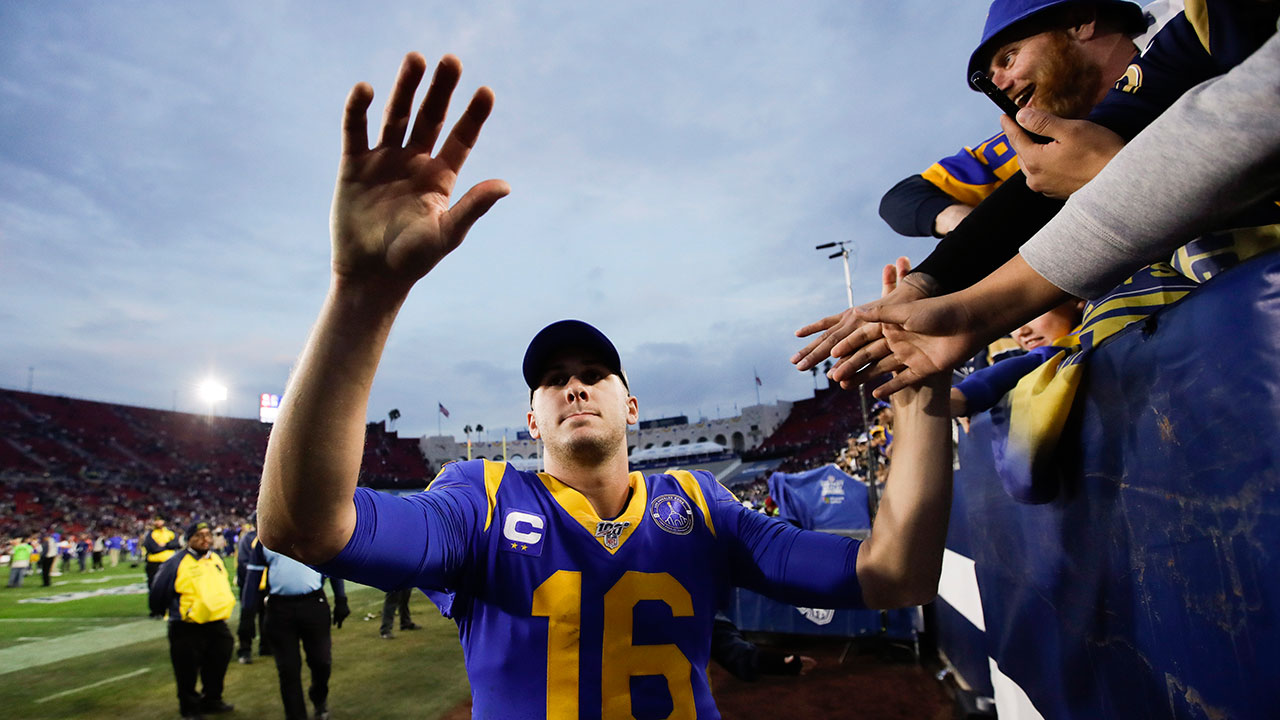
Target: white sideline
(55, 696)
(57, 649)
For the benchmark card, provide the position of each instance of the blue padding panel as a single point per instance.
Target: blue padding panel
(1151, 587)
(965, 646)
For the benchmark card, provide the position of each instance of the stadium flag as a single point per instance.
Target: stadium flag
(758, 381)
(443, 410)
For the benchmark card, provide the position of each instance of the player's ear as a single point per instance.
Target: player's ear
(633, 410)
(532, 422)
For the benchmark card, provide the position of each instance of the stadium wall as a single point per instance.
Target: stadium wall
(1150, 586)
(749, 428)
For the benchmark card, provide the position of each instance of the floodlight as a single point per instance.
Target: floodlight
(212, 391)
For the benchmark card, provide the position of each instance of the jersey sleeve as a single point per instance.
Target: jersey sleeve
(972, 174)
(912, 206)
(421, 540)
(983, 388)
(989, 236)
(782, 561)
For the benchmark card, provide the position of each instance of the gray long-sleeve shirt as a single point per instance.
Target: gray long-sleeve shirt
(1214, 153)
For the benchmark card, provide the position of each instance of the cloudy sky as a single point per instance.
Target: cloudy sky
(166, 171)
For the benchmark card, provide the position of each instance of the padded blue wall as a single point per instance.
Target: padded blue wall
(1150, 588)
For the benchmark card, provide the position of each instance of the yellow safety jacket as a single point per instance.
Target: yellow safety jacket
(156, 543)
(193, 589)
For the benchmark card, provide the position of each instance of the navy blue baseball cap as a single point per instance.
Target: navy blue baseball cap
(1004, 14)
(569, 334)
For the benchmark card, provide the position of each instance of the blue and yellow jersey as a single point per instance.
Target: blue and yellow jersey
(563, 614)
(193, 588)
(972, 174)
(1188, 43)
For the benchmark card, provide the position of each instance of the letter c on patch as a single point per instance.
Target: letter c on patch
(521, 527)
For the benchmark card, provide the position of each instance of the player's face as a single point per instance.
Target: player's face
(581, 409)
(1048, 71)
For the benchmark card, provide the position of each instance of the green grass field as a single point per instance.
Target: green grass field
(99, 656)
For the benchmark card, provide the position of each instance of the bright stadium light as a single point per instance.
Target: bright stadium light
(212, 392)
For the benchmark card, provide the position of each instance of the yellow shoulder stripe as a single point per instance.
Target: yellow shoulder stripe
(493, 472)
(691, 488)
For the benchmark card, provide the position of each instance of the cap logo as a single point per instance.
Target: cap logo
(672, 513)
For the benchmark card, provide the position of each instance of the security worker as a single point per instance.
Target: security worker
(248, 628)
(193, 586)
(296, 610)
(159, 544)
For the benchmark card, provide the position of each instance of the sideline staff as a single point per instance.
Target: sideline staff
(295, 610)
(160, 543)
(194, 588)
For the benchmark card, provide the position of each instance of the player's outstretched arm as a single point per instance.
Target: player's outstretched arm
(391, 223)
(900, 563)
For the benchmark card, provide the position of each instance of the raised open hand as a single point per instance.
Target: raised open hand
(846, 335)
(391, 221)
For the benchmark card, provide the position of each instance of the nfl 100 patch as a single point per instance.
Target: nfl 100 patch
(610, 532)
(672, 513)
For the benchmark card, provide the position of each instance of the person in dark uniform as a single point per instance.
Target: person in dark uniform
(195, 590)
(296, 610)
(248, 627)
(747, 661)
(396, 600)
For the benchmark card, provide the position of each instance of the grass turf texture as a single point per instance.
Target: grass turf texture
(101, 657)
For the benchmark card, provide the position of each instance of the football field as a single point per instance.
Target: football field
(85, 648)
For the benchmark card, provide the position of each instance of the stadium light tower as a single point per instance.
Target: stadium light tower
(846, 247)
(213, 392)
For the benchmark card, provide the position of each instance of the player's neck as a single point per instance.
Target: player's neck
(605, 485)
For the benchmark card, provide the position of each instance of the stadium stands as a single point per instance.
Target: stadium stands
(79, 465)
(815, 431)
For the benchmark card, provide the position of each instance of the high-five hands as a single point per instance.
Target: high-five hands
(858, 346)
(391, 220)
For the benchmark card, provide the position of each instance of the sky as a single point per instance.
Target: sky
(166, 171)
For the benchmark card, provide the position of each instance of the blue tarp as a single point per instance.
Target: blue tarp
(822, 499)
(1150, 587)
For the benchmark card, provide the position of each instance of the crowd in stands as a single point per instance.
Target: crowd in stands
(84, 467)
(814, 432)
